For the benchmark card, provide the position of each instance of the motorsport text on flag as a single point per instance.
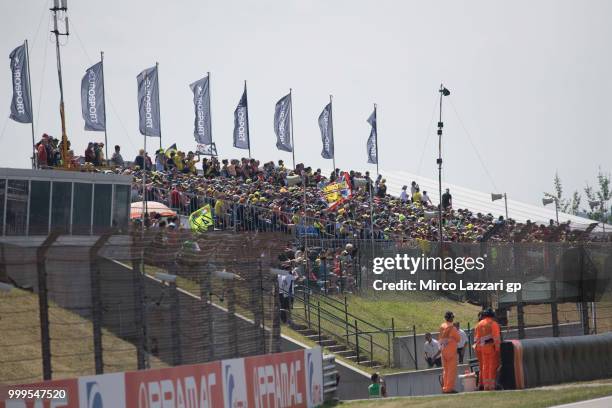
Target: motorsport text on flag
(92, 98)
(372, 140)
(327, 132)
(241, 123)
(21, 104)
(202, 129)
(148, 102)
(282, 123)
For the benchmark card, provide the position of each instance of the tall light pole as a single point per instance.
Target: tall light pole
(60, 7)
(551, 200)
(495, 197)
(443, 92)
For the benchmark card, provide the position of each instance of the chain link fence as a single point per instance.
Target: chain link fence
(95, 304)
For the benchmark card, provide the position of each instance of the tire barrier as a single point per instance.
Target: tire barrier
(553, 360)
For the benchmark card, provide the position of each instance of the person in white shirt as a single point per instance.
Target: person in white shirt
(413, 188)
(432, 351)
(286, 290)
(462, 343)
(425, 200)
(403, 195)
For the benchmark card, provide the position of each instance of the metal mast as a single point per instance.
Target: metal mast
(59, 10)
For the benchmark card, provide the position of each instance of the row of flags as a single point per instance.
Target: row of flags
(94, 109)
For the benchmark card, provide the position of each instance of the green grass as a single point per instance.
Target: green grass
(71, 342)
(536, 398)
(420, 310)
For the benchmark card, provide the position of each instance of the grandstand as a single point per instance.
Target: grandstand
(479, 201)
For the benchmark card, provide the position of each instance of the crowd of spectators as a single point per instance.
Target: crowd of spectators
(248, 194)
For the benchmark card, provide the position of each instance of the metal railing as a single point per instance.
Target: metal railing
(329, 317)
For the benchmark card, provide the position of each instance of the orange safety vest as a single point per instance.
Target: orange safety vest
(449, 335)
(487, 331)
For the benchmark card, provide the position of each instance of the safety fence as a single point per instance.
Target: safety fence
(95, 304)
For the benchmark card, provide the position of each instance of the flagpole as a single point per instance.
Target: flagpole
(144, 161)
(31, 109)
(331, 118)
(209, 113)
(104, 104)
(158, 108)
(246, 100)
(144, 180)
(376, 140)
(291, 116)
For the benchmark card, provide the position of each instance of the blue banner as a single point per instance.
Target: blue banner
(92, 98)
(148, 102)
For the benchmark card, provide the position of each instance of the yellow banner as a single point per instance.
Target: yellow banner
(201, 220)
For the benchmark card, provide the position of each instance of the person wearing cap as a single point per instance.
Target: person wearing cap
(487, 343)
(448, 338)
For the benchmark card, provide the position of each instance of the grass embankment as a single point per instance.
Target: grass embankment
(71, 342)
(536, 398)
(422, 311)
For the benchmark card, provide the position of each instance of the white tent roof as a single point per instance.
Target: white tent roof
(478, 201)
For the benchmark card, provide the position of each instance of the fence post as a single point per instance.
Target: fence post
(585, 318)
(175, 324)
(233, 321)
(416, 358)
(260, 299)
(276, 330)
(555, 318)
(357, 341)
(393, 326)
(96, 300)
(43, 303)
(520, 315)
(140, 313)
(388, 350)
(207, 311)
(346, 323)
(319, 320)
(469, 336)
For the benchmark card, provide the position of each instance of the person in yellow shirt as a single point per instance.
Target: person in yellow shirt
(191, 163)
(179, 161)
(220, 211)
(416, 197)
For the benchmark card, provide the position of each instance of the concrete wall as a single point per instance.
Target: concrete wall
(403, 347)
(422, 382)
(353, 382)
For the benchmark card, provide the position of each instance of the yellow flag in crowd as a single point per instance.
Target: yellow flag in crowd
(332, 192)
(201, 220)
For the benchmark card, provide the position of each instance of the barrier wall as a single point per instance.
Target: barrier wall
(539, 362)
(403, 346)
(291, 379)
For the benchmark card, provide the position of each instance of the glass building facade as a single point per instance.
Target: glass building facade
(36, 202)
